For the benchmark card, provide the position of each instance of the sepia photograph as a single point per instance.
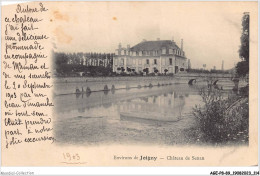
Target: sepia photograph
(173, 76)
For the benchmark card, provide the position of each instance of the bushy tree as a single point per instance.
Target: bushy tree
(165, 71)
(243, 66)
(146, 70)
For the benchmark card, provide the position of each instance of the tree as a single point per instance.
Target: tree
(146, 70)
(60, 58)
(165, 71)
(122, 69)
(129, 69)
(156, 70)
(243, 66)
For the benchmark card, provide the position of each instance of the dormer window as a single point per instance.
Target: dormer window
(164, 51)
(170, 51)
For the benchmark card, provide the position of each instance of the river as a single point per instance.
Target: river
(158, 114)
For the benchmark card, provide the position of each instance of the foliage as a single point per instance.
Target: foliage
(67, 64)
(156, 70)
(146, 70)
(244, 47)
(165, 71)
(129, 69)
(223, 119)
(243, 66)
(205, 71)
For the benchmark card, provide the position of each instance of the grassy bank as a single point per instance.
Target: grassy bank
(222, 120)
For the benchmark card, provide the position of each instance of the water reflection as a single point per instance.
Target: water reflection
(98, 117)
(163, 107)
(166, 105)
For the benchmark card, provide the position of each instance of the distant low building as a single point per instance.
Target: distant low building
(91, 59)
(154, 56)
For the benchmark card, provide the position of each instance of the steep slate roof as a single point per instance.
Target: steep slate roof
(154, 45)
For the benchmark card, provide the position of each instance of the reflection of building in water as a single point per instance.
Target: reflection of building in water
(169, 104)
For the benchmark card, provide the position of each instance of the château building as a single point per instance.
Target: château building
(161, 56)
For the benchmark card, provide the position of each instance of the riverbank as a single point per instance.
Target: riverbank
(69, 85)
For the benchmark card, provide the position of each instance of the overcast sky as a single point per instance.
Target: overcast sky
(211, 31)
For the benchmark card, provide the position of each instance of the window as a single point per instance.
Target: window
(164, 51)
(122, 61)
(115, 61)
(147, 61)
(140, 62)
(134, 53)
(133, 61)
(129, 61)
(170, 51)
(140, 53)
(163, 61)
(170, 61)
(155, 61)
(124, 52)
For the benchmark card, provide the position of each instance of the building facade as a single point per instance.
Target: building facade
(91, 59)
(161, 56)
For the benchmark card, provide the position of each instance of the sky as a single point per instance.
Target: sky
(210, 30)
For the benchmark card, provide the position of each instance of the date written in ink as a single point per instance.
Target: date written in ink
(72, 158)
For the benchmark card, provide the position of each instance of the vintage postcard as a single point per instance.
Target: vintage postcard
(129, 84)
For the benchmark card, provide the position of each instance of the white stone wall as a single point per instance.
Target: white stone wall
(140, 63)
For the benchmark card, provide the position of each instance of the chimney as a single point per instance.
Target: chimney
(182, 44)
(119, 46)
(144, 40)
(172, 39)
(158, 39)
(128, 47)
